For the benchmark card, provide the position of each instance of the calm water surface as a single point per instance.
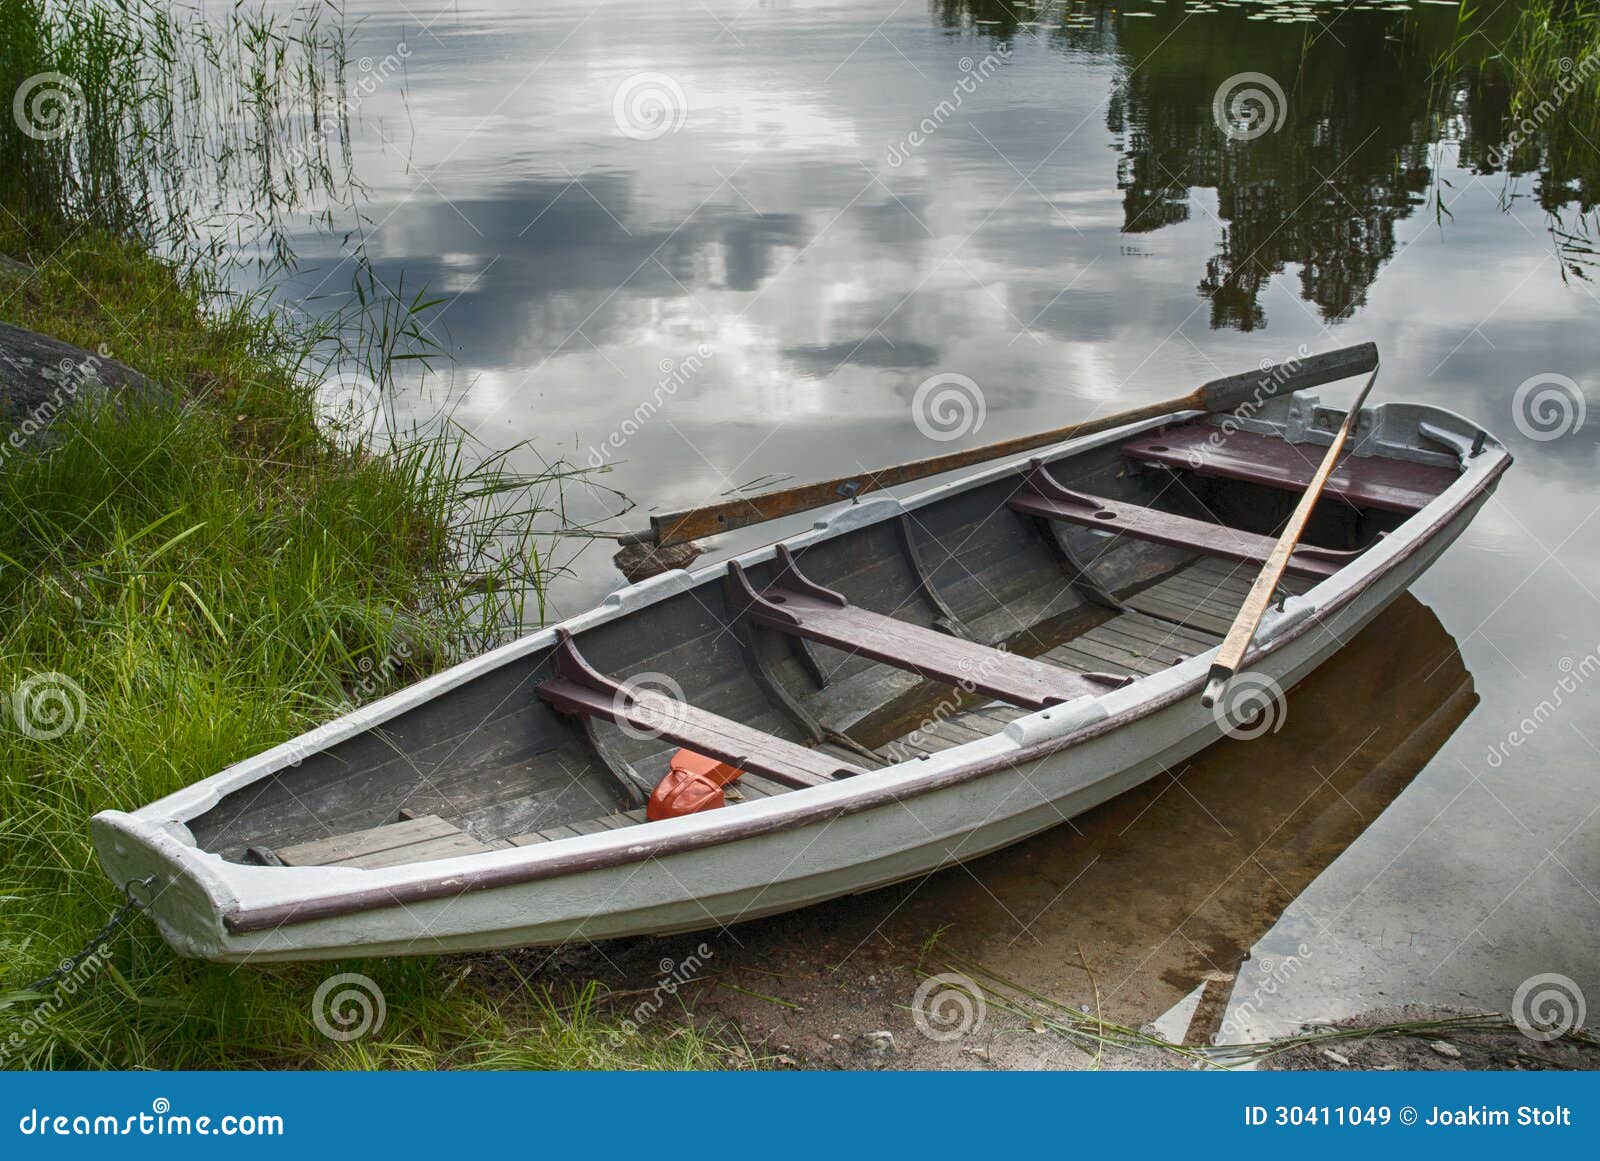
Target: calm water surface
(812, 225)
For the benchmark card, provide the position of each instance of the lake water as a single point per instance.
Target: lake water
(710, 244)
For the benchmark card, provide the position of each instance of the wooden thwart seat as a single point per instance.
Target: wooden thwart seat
(795, 605)
(579, 688)
(1362, 481)
(1043, 496)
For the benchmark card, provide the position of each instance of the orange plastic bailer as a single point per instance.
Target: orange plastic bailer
(693, 783)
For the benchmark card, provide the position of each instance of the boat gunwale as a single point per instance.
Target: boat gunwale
(819, 804)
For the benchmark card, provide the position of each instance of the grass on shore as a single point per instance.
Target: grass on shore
(188, 580)
(215, 574)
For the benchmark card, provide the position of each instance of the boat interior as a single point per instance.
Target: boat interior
(883, 644)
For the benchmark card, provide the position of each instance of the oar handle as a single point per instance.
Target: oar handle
(1253, 388)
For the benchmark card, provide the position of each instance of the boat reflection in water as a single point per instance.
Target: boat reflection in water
(1162, 892)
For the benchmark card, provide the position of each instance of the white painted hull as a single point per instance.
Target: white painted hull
(766, 857)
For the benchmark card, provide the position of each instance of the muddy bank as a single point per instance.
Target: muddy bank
(1488, 1048)
(802, 1013)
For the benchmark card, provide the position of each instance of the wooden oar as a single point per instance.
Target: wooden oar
(1227, 394)
(1231, 653)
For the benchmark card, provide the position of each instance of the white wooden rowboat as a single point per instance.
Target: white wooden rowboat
(910, 684)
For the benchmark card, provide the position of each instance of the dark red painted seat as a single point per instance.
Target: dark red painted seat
(1362, 481)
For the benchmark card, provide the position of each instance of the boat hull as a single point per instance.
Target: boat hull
(770, 856)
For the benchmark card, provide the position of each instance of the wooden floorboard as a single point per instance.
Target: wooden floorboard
(375, 840)
(1202, 597)
(1227, 570)
(951, 730)
(1177, 612)
(1202, 590)
(962, 729)
(1094, 646)
(444, 847)
(1157, 657)
(1214, 600)
(848, 754)
(1159, 632)
(751, 787)
(998, 712)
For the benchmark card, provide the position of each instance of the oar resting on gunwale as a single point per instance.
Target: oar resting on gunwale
(670, 541)
(1230, 655)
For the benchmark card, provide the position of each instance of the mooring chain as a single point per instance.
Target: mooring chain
(102, 937)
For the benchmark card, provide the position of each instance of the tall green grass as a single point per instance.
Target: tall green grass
(1551, 62)
(1524, 82)
(215, 573)
(207, 572)
(197, 128)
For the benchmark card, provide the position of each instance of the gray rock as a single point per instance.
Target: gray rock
(41, 377)
(877, 1045)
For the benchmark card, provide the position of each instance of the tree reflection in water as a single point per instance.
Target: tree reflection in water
(1376, 107)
